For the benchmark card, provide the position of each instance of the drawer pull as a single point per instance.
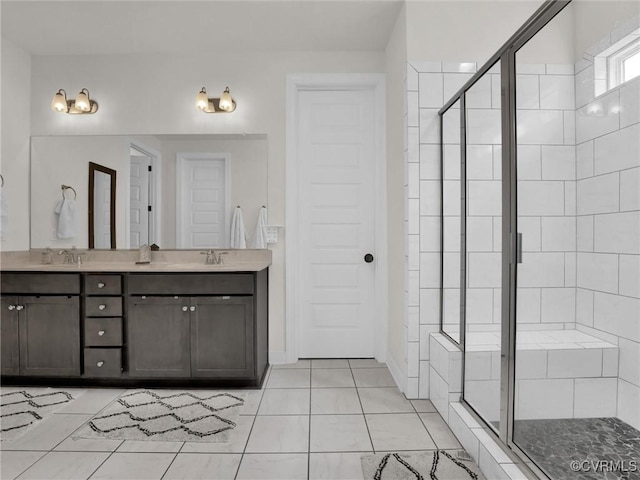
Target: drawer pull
(11, 307)
(226, 297)
(184, 309)
(100, 285)
(102, 307)
(19, 307)
(101, 333)
(100, 364)
(144, 297)
(192, 308)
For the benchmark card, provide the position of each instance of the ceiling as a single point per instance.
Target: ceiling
(134, 27)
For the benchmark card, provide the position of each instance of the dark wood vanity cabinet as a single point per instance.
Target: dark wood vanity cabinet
(40, 324)
(205, 326)
(135, 329)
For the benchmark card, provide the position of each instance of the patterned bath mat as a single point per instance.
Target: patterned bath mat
(436, 465)
(22, 409)
(167, 416)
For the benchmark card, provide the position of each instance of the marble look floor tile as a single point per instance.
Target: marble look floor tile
(398, 431)
(70, 444)
(330, 363)
(423, 406)
(366, 363)
(289, 378)
(150, 446)
(298, 364)
(279, 433)
(331, 378)
(373, 377)
(285, 466)
(138, 466)
(439, 431)
(13, 464)
(335, 466)
(335, 401)
(65, 465)
(339, 433)
(236, 444)
(92, 401)
(203, 466)
(285, 401)
(48, 433)
(252, 400)
(384, 400)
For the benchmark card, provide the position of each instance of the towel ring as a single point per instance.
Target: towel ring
(67, 187)
(1, 180)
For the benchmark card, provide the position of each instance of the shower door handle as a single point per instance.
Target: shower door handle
(518, 248)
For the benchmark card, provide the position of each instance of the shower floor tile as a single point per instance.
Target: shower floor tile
(585, 448)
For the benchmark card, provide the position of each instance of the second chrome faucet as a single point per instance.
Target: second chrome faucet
(212, 258)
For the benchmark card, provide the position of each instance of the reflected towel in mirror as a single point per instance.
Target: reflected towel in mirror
(67, 218)
(260, 236)
(238, 232)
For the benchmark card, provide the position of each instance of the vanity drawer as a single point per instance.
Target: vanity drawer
(103, 332)
(103, 284)
(40, 283)
(103, 306)
(102, 362)
(192, 284)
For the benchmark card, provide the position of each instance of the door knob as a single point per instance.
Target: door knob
(368, 258)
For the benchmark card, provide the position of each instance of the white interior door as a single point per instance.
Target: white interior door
(139, 200)
(336, 227)
(202, 202)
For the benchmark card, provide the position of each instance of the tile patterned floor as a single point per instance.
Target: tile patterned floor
(311, 420)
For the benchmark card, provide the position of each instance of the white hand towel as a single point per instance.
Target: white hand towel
(67, 218)
(260, 237)
(4, 215)
(238, 233)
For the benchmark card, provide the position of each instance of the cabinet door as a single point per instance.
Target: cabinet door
(222, 337)
(158, 337)
(10, 361)
(49, 336)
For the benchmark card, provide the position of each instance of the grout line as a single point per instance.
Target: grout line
(363, 414)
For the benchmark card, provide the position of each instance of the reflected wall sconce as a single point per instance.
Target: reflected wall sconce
(224, 104)
(81, 105)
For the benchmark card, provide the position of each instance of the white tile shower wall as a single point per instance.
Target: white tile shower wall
(608, 230)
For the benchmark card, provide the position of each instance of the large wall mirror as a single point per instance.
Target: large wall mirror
(177, 191)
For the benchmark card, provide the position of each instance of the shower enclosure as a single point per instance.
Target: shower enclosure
(541, 216)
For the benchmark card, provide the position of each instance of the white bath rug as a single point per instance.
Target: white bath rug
(21, 409)
(167, 416)
(433, 465)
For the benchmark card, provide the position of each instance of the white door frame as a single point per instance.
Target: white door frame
(328, 82)
(155, 193)
(181, 157)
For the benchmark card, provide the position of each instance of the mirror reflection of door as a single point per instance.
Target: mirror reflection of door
(139, 198)
(102, 210)
(202, 200)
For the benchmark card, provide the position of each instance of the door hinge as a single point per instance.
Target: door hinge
(150, 168)
(149, 208)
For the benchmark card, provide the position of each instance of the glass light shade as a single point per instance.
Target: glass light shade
(226, 102)
(59, 102)
(82, 101)
(202, 102)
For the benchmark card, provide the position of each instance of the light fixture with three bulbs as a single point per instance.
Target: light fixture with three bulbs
(224, 104)
(81, 105)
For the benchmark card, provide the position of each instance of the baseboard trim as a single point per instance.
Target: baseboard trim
(396, 373)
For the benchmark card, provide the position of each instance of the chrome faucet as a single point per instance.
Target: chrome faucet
(212, 258)
(68, 256)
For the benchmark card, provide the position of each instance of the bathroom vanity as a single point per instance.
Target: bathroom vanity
(118, 323)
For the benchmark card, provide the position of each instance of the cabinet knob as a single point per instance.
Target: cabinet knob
(99, 364)
(11, 307)
(19, 307)
(101, 333)
(100, 285)
(101, 307)
(184, 309)
(192, 308)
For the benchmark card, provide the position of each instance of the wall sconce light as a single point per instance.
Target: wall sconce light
(81, 105)
(224, 104)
